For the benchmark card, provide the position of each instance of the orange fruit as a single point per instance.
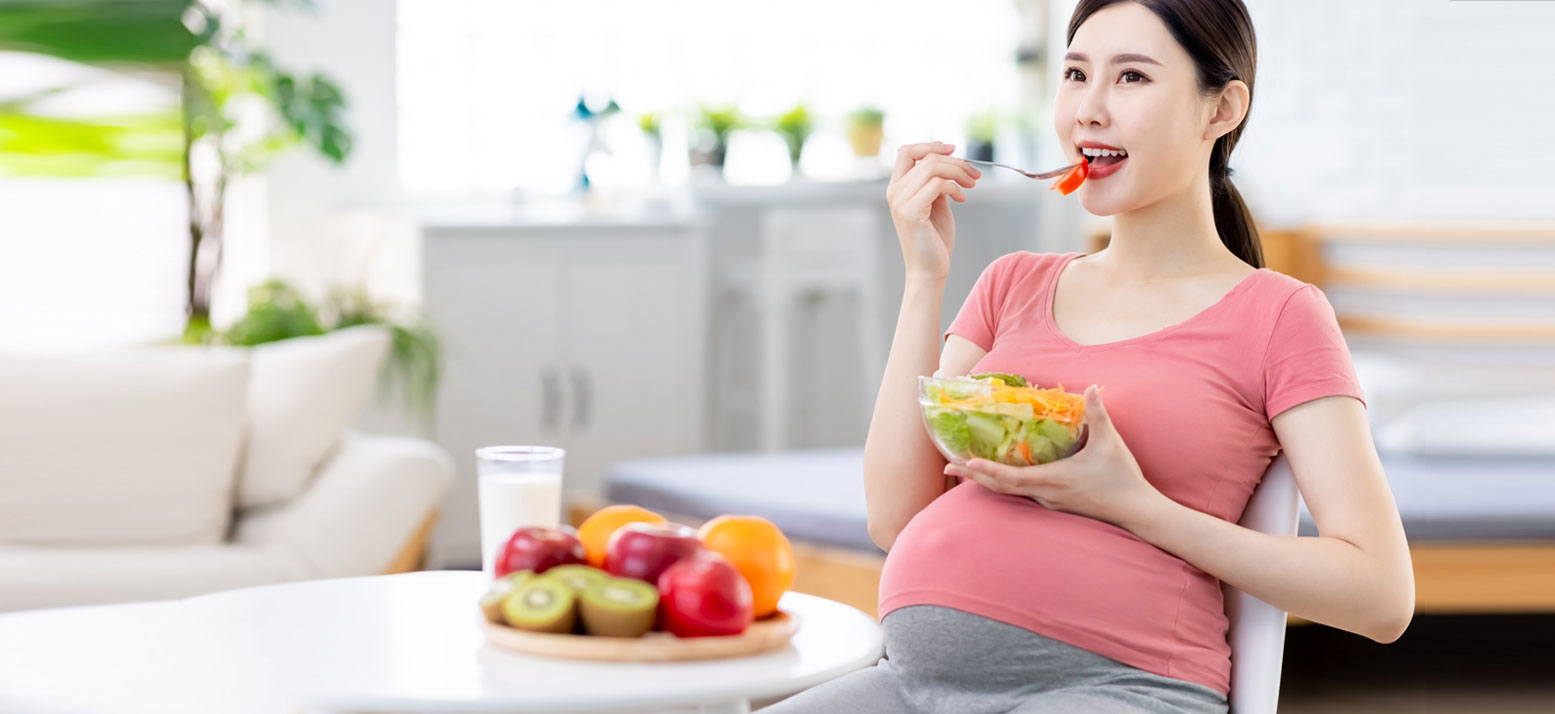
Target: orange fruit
(595, 531)
(759, 550)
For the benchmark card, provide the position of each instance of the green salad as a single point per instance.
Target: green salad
(1001, 418)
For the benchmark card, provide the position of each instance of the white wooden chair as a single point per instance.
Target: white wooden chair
(1257, 633)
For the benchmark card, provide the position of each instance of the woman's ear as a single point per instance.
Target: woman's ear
(1229, 109)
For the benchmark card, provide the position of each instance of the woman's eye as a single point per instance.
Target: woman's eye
(1075, 74)
(1137, 77)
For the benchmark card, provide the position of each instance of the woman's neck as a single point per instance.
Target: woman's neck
(1174, 236)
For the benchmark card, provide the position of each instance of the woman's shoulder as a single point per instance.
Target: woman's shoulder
(1284, 291)
(1282, 283)
(1286, 304)
(1024, 263)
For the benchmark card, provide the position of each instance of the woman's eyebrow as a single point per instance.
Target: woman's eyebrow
(1116, 59)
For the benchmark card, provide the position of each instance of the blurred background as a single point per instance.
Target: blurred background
(655, 234)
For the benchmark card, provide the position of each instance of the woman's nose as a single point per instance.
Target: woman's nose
(1092, 107)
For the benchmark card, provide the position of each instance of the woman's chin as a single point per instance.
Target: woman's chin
(1098, 203)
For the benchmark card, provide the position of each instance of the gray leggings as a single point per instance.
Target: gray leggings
(939, 659)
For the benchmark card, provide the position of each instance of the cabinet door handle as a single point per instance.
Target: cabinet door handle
(550, 395)
(585, 396)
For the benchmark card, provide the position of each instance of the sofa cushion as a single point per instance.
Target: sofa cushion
(304, 394)
(34, 577)
(134, 447)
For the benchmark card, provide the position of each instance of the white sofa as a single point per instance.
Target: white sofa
(161, 473)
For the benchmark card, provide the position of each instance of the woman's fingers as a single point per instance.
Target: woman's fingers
(930, 169)
(918, 207)
(909, 154)
(936, 166)
(906, 181)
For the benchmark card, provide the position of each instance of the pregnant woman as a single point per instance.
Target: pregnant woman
(1091, 584)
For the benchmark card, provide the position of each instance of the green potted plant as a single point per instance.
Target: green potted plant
(651, 126)
(982, 130)
(713, 126)
(795, 126)
(866, 131)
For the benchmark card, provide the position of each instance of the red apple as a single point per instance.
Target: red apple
(705, 596)
(539, 549)
(644, 550)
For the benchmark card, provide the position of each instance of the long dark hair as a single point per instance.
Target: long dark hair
(1218, 35)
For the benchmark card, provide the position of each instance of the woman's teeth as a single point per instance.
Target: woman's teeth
(1097, 153)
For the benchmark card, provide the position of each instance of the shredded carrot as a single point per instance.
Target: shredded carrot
(1055, 404)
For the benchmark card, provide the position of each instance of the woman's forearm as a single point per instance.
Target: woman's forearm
(1322, 579)
(902, 470)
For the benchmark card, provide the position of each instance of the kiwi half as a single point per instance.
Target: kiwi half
(619, 607)
(580, 577)
(541, 605)
(491, 602)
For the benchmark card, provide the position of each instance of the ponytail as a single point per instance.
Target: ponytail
(1233, 221)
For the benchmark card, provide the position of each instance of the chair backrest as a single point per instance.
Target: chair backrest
(1257, 628)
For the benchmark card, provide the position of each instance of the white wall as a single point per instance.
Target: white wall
(1401, 109)
(1396, 109)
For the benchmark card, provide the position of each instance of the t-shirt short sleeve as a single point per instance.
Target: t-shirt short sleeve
(978, 319)
(1307, 357)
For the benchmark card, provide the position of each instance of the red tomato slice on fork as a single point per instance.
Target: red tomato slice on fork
(1067, 183)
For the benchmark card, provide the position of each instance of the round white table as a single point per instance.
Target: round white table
(396, 643)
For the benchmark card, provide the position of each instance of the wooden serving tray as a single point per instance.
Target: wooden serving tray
(763, 635)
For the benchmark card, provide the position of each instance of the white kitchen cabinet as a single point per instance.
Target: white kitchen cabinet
(589, 336)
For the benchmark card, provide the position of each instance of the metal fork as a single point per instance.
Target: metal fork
(1055, 173)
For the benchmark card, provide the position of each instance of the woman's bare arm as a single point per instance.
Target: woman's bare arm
(1355, 575)
(903, 472)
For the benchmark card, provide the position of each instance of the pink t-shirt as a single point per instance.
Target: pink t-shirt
(1193, 403)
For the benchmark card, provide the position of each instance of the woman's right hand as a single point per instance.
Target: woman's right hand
(924, 177)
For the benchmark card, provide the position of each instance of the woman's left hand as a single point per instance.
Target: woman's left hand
(1101, 480)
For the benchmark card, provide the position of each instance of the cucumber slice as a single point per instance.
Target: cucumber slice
(1057, 433)
(987, 434)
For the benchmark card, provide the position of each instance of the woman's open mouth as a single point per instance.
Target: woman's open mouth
(1104, 162)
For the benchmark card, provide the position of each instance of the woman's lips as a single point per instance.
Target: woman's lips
(1103, 171)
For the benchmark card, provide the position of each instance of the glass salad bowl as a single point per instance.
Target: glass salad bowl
(999, 417)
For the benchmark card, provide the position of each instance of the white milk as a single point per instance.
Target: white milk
(512, 501)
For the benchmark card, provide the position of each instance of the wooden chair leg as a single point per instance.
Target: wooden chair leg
(413, 556)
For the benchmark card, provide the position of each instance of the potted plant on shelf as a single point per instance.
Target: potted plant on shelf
(982, 130)
(795, 126)
(652, 131)
(711, 143)
(866, 131)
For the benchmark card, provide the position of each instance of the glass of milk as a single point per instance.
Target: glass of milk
(518, 486)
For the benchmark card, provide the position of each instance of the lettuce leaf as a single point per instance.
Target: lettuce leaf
(951, 428)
